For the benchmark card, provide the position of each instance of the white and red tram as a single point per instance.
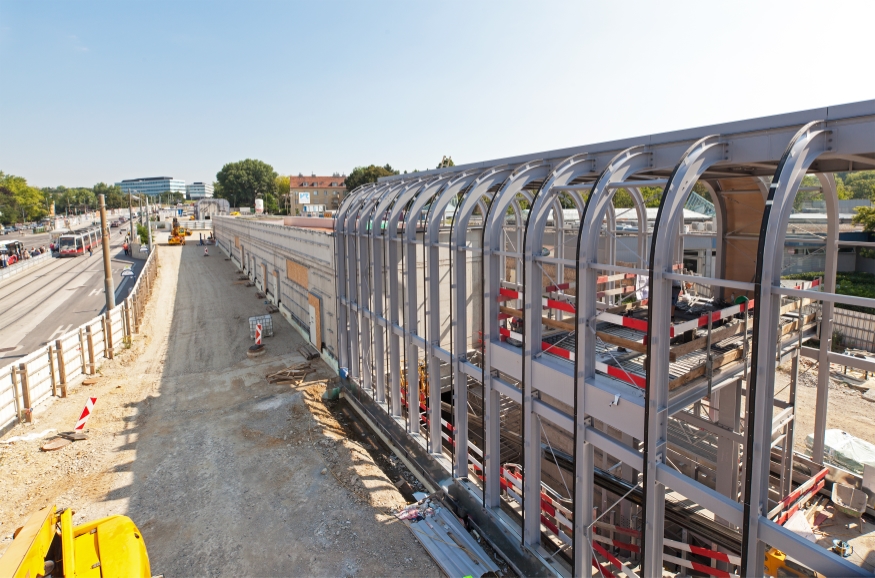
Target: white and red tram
(79, 242)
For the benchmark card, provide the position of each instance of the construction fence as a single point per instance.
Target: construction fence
(62, 364)
(857, 329)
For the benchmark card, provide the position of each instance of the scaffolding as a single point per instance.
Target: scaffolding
(475, 282)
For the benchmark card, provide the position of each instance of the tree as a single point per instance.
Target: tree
(112, 195)
(361, 175)
(859, 184)
(20, 202)
(283, 188)
(865, 216)
(240, 182)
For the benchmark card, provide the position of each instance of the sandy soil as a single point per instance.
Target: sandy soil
(222, 472)
(847, 409)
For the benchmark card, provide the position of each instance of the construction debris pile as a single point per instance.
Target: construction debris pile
(292, 375)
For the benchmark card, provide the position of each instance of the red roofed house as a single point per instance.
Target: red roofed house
(315, 195)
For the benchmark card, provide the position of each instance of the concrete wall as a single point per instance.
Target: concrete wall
(294, 266)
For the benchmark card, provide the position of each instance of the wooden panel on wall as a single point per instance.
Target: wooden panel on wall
(317, 305)
(743, 200)
(237, 242)
(297, 273)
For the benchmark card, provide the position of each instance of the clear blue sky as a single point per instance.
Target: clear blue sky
(102, 91)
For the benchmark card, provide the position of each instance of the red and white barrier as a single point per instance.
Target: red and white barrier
(258, 334)
(699, 551)
(86, 413)
(698, 567)
(791, 503)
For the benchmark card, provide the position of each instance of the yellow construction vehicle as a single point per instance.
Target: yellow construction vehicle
(49, 545)
(177, 234)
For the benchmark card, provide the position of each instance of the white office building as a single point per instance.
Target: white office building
(152, 186)
(199, 191)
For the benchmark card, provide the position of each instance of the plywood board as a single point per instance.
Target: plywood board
(297, 274)
(237, 242)
(317, 305)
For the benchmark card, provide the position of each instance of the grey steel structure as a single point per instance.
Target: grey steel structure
(425, 261)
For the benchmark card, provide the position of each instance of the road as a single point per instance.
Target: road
(224, 473)
(45, 302)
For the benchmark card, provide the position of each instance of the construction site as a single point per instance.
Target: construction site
(669, 410)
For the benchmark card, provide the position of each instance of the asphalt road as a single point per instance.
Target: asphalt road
(43, 303)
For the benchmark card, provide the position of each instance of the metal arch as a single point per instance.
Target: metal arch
(352, 242)
(641, 211)
(385, 321)
(368, 216)
(340, 261)
(808, 143)
(365, 247)
(343, 296)
(431, 188)
(826, 313)
(697, 159)
(492, 229)
(544, 199)
(391, 236)
(459, 322)
(457, 183)
(625, 163)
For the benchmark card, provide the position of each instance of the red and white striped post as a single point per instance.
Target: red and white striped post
(258, 334)
(86, 413)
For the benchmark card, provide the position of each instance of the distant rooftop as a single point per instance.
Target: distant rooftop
(147, 179)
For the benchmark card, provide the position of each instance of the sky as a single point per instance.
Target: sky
(104, 91)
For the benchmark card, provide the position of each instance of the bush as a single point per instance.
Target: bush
(143, 234)
(856, 283)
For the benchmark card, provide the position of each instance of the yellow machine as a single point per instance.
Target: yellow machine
(177, 234)
(191, 217)
(777, 564)
(49, 545)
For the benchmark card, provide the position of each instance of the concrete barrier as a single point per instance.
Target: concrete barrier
(24, 265)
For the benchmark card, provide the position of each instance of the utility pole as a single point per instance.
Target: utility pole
(108, 285)
(131, 216)
(148, 223)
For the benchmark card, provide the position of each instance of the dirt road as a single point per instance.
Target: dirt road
(225, 474)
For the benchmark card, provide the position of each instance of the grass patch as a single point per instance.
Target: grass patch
(856, 283)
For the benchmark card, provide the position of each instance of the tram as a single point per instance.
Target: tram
(79, 242)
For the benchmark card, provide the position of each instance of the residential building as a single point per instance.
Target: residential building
(315, 195)
(198, 190)
(152, 185)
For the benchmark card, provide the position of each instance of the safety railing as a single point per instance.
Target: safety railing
(51, 370)
(23, 265)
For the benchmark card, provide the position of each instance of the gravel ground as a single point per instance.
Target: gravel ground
(225, 474)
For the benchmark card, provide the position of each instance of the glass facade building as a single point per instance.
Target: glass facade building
(153, 185)
(199, 190)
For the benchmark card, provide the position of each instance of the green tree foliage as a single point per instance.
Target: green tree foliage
(20, 202)
(241, 181)
(283, 188)
(865, 216)
(860, 184)
(369, 174)
(113, 195)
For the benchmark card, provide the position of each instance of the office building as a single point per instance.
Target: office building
(152, 185)
(199, 190)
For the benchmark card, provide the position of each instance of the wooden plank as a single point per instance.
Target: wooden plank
(317, 305)
(698, 371)
(297, 274)
(702, 342)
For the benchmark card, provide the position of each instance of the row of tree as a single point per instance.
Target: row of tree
(21, 203)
